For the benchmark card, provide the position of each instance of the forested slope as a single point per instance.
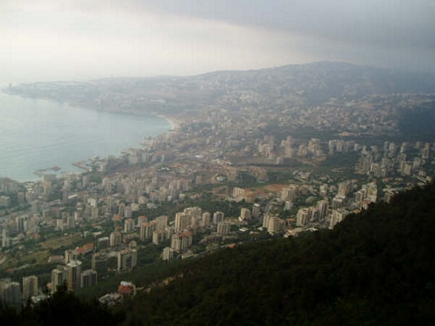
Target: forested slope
(375, 268)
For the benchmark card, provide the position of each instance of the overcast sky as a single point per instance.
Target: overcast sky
(85, 39)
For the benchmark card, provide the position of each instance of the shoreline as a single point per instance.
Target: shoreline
(62, 172)
(175, 124)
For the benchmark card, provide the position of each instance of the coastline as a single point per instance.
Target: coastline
(175, 124)
(70, 167)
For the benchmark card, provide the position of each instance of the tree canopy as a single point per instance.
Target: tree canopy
(373, 268)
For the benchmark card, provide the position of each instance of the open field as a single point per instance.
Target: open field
(22, 259)
(61, 241)
(275, 188)
(41, 257)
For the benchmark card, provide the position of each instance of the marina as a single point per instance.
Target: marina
(41, 172)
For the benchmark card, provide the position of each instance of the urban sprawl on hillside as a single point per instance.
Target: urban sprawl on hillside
(252, 155)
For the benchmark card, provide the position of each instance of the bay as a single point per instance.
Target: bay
(39, 134)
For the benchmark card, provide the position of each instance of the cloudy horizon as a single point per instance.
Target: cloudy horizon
(78, 40)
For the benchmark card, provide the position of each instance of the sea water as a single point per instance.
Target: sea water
(40, 134)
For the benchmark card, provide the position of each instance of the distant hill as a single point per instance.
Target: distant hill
(307, 84)
(374, 268)
(317, 82)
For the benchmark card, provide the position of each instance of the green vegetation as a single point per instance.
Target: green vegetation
(418, 124)
(63, 241)
(374, 268)
(63, 308)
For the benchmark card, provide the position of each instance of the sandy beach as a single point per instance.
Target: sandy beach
(175, 124)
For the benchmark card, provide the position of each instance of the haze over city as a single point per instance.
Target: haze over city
(217, 162)
(77, 40)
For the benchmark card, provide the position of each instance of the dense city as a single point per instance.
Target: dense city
(262, 159)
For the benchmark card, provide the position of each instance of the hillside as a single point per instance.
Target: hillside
(307, 85)
(375, 268)
(294, 99)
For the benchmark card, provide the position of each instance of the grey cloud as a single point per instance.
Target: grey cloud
(152, 37)
(391, 22)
